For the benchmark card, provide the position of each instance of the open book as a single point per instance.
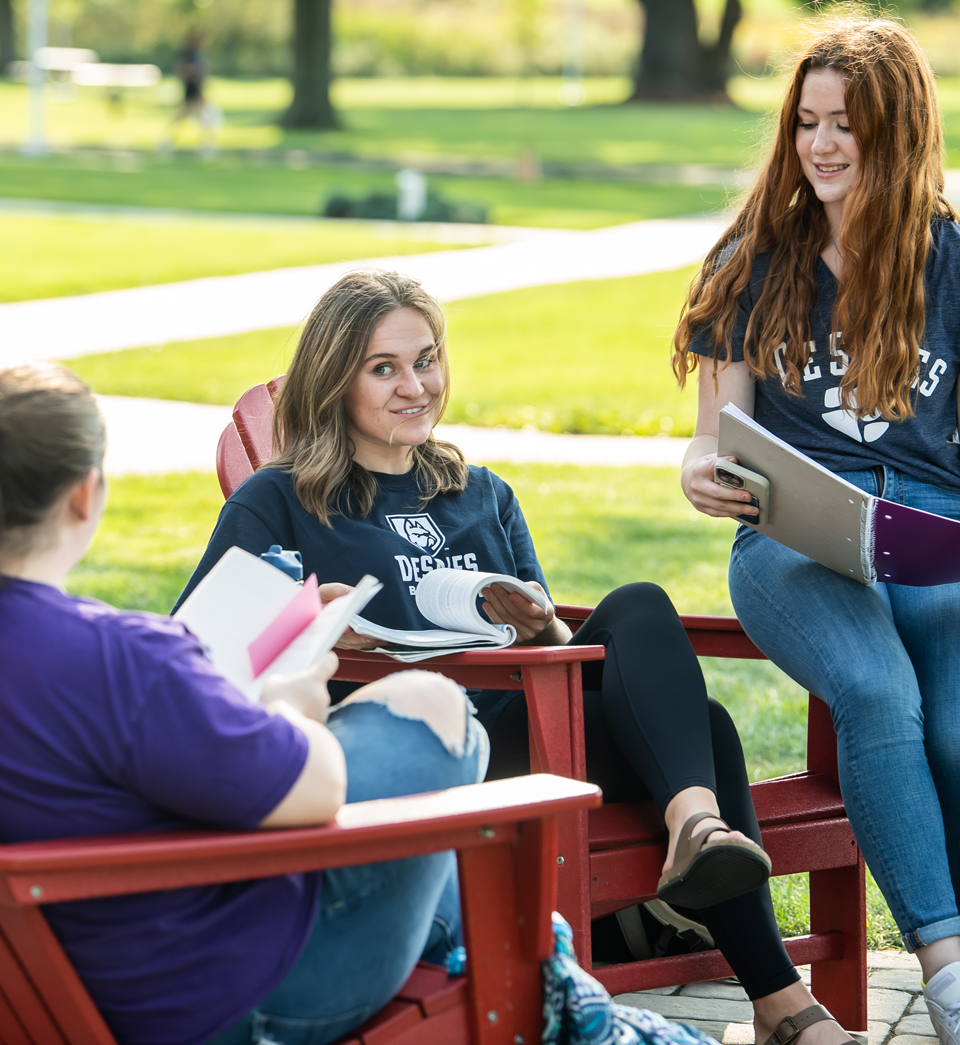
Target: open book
(448, 598)
(255, 621)
(824, 517)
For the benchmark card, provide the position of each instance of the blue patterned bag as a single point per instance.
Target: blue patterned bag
(578, 1011)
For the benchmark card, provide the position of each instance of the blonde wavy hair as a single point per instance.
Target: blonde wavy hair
(310, 425)
(885, 234)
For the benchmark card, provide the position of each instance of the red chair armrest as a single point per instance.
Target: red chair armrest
(53, 871)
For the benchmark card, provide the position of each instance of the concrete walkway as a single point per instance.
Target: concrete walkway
(107, 322)
(896, 1009)
(160, 435)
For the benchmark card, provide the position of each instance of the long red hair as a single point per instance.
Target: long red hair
(885, 234)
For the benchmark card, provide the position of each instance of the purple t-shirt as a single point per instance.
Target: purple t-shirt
(116, 722)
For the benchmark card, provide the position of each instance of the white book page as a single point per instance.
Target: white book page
(449, 598)
(319, 636)
(231, 606)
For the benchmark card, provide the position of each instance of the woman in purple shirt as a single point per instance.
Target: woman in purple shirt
(115, 722)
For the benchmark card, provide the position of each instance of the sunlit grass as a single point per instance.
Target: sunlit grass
(591, 356)
(53, 256)
(184, 183)
(594, 529)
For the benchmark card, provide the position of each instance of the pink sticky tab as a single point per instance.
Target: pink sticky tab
(285, 627)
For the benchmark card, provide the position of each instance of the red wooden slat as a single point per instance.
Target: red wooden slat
(478, 669)
(625, 823)
(11, 1029)
(791, 799)
(535, 880)
(432, 989)
(392, 1020)
(450, 1027)
(494, 802)
(634, 871)
(233, 465)
(253, 416)
(32, 1013)
(53, 980)
(816, 846)
(501, 981)
(796, 798)
(821, 739)
(708, 965)
(838, 901)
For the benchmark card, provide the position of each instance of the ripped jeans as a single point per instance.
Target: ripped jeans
(374, 921)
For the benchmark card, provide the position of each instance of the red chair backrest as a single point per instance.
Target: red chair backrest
(247, 441)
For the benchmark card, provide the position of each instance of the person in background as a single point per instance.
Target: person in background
(192, 70)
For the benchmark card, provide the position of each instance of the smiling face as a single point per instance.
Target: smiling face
(391, 406)
(828, 152)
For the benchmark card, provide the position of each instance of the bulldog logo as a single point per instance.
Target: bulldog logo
(420, 530)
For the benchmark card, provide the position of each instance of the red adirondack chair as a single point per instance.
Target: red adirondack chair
(505, 834)
(612, 858)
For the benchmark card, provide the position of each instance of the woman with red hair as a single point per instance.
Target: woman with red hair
(830, 311)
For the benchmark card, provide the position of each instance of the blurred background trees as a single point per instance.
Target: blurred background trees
(311, 47)
(675, 63)
(670, 49)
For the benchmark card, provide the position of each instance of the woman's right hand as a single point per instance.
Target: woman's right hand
(349, 639)
(709, 497)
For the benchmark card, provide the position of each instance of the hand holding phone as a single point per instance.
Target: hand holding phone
(736, 477)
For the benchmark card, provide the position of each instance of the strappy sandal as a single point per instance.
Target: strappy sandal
(789, 1029)
(706, 871)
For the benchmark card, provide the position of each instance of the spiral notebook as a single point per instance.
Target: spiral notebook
(824, 517)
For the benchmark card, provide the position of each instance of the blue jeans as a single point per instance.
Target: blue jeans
(887, 662)
(374, 921)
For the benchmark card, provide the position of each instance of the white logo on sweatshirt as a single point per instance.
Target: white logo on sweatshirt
(420, 530)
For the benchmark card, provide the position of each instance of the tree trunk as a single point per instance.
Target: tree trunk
(674, 65)
(8, 45)
(312, 42)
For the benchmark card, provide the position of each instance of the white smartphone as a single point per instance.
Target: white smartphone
(736, 477)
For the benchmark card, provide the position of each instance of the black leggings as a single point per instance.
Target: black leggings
(651, 731)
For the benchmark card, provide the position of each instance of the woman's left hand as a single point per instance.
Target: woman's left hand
(533, 624)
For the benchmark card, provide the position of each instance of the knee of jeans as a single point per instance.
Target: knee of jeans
(877, 707)
(427, 697)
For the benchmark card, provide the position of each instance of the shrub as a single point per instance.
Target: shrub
(383, 205)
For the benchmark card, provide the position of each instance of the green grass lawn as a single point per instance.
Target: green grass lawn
(577, 357)
(52, 256)
(402, 118)
(228, 185)
(594, 528)
(399, 119)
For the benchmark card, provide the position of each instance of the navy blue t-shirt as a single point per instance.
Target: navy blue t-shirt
(128, 728)
(481, 528)
(924, 446)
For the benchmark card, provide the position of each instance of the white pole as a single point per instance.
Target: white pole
(36, 143)
(572, 92)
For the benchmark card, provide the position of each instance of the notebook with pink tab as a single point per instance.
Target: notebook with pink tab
(253, 620)
(822, 516)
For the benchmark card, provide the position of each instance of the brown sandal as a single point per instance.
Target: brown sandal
(789, 1029)
(706, 871)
